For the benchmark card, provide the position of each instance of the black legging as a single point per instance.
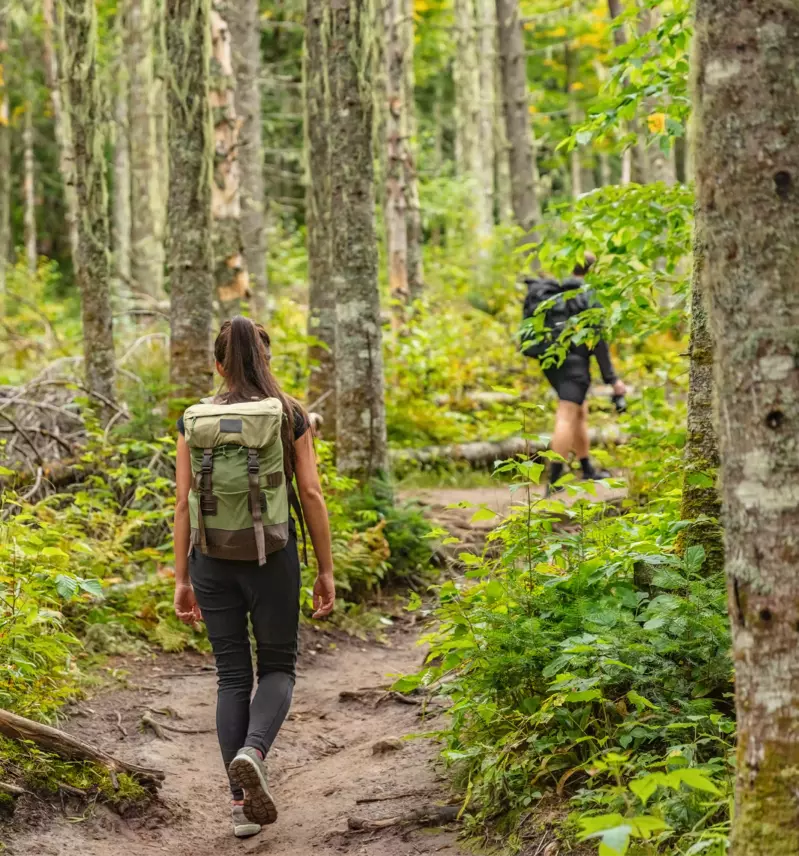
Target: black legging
(227, 593)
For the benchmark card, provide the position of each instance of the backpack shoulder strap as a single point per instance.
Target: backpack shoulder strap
(296, 507)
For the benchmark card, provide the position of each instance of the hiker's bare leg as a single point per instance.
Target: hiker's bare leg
(567, 418)
(581, 443)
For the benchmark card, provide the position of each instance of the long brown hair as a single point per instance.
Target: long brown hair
(244, 351)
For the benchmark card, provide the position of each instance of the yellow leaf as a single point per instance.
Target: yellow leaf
(657, 123)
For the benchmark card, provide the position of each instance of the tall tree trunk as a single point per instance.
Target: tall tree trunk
(513, 69)
(620, 38)
(502, 191)
(575, 159)
(5, 158)
(121, 230)
(748, 197)
(469, 146)
(700, 496)
(361, 447)
(322, 295)
(29, 191)
(63, 133)
(487, 60)
(245, 28)
(396, 140)
(190, 168)
(415, 237)
(160, 98)
(230, 267)
(147, 259)
(82, 101)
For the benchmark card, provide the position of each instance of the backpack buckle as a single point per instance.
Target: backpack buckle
(253, 464)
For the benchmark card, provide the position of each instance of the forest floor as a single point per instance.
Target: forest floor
(326, 759)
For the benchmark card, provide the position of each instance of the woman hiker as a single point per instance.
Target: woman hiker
(225, 577)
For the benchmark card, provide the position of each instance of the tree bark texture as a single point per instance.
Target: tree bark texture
(322, 295)
(701, 499)
(575, 159)
(396, 142)
(747, 173)
(5, 158)
(147, 259)
(121, 228)
(415, 236)
(615, 9)
(487, 60)
(29, 191)
(361, 447)
(63, 134)
(188, 30)
(82, 100)
(230, 267)
(513, 70)
(469, 146)
(245, 29)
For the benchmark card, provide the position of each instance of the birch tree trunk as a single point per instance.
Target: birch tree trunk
(575, 159)
(29, 192)
(487, 59)
(82, 101)
(5, 157)
(700, 496)
(748, 195)
(396, 140)
(230, 267)
(322, 295)
(121, 230)
(361, 447)
(620, 38)
(63, 134)
(245, 28)
(188, 30)
(415, 236)
(147, 259)
(513, 69)
(469, 145)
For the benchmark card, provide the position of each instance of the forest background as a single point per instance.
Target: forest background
(372, 182)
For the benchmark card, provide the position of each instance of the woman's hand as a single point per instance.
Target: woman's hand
(186, 607)
(620, 388)
(324, 595)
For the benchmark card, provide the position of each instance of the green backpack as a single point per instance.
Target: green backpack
(239, 500)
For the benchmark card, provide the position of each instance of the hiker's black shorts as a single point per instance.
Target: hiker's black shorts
(572, 379)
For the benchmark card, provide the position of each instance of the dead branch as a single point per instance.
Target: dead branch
(122, 730)
(426, 816)
(73, 748)
(12, 790)
(387, 797)
(156, 727)
(148, 720)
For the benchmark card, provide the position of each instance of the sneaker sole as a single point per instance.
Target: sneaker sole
(259, 807)
(246, 830)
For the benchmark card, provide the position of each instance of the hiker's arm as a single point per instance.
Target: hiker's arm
(315, 512)
(185, 604)
(602, 354)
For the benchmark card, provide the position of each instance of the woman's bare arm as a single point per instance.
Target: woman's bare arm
(315, 512)
(185, 604)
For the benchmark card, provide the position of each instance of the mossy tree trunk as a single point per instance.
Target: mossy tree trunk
(486, 16)
(415, 237)
(747, 173)
(513, 70)
(230, 266)
(147, 259)
(361, 447)
(29, 189)
(322, 295)
(83, 110)
(615, 8)
(188, 33)
(66, 157)
(245, 28)
(121, 224)
(701, 502)
(571, 61)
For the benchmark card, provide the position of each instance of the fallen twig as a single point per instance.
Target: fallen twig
(148, 722)
(163, 726)
(121, 727)
(427, 816)
(387, 797)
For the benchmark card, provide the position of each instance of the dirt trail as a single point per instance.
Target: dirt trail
(321, 765)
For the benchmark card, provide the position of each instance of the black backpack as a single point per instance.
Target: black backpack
(537, 339)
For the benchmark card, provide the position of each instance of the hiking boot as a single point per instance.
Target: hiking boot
(243, 828)
(248, 772)
(593, 474)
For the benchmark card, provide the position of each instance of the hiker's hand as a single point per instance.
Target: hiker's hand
(620, 388)
(324, 595)
(186, 607)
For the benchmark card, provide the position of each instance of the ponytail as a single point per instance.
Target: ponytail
(243, 349)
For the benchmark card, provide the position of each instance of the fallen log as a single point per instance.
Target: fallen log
(484, 454)
(426, 816)
(73, 748)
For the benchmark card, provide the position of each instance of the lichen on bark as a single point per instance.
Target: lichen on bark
(747, 175)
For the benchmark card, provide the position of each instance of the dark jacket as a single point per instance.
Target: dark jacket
(539, 290)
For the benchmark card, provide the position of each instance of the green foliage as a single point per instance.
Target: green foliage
(589, 659)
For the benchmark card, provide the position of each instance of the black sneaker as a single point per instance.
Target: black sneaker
(593, 474)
